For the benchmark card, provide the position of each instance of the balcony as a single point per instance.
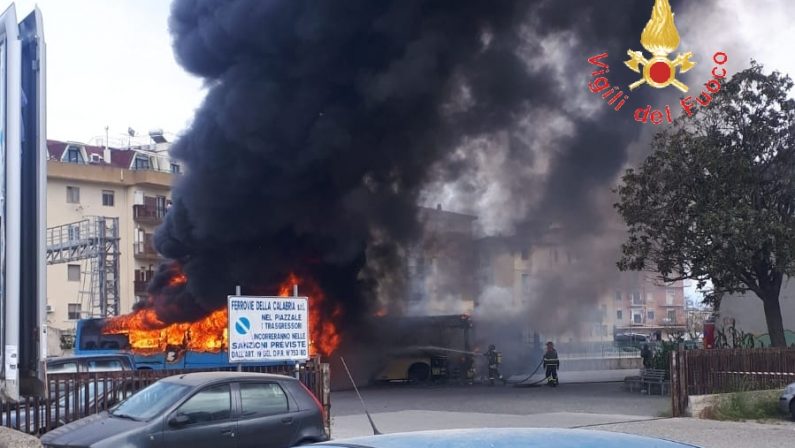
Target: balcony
(148, 214)
(145, 250)
(142, 279)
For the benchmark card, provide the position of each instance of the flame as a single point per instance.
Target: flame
(148, 334)
(660, 36)
(324, 338)
(178, 280)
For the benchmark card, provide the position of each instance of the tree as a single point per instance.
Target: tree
(715, 200)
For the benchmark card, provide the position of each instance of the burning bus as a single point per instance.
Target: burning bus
(201, 343)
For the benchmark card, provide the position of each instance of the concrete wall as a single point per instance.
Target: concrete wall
(748, 314)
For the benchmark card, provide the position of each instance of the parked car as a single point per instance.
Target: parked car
(506, 438)
(204, 410)
(63, 409)
(90, 363)
(787, 400)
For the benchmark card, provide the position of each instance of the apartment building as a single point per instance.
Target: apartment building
(84, 181)
(532, 272)
(442, 266)
(642, 304)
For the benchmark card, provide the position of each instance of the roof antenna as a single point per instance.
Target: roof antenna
(372, 424)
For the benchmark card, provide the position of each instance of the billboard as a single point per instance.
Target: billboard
(22, 203)
(268, 329)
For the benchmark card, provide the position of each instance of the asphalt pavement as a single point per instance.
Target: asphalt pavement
(595, 406)
(600, 398)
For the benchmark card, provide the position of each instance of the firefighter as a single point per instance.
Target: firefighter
(494, 359)
(551, 363)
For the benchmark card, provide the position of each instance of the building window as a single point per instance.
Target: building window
(618, 296)
(525, 254)
(73, 272)
(108, 198)
(74, 311)
(669, 297)
(525, 284)
(650, 315)
(175, 169)
(74, 232)
(636, 298)
(637, 318)
(74, 155)
(72, 195)
(160, 204)
(142, 163)
(619, 315)
(672, 316)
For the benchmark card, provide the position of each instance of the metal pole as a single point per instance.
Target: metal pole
(237, 293)
(297, 364)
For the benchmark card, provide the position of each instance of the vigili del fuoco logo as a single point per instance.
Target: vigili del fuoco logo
(660, 38)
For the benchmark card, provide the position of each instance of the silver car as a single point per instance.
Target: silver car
(203, 410)
(787, 400)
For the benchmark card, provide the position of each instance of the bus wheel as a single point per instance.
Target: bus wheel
(419, 372)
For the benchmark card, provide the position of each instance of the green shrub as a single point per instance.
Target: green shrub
(745, 406)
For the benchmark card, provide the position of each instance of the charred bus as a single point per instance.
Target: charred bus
(429, 349)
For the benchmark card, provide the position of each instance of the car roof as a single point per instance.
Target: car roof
(507, 438)
(78, 357)
(200, 378)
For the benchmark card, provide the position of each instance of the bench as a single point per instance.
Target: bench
(647, 379)
(652, 377)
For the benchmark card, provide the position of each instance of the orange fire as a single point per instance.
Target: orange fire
(148, 334)
(324, 337)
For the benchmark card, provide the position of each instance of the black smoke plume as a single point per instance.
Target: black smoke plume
(325, 121)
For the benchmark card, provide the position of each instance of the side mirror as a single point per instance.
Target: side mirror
(178, 420)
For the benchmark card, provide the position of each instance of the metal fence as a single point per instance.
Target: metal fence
(608, 349)
(714, 371)
(72, 396)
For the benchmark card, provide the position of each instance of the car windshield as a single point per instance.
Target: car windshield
(150, 402)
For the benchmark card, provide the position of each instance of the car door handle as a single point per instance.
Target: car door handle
(228, 432)
(287, 420)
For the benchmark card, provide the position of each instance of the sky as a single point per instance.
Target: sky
(110, 63)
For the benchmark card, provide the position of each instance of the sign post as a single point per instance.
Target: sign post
(267, 329)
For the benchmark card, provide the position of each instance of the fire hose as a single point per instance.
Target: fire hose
(529, 376)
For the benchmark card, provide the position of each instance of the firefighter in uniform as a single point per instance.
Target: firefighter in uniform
(551, 363)
(495, 359)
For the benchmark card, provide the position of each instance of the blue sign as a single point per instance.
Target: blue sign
(242, 326)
